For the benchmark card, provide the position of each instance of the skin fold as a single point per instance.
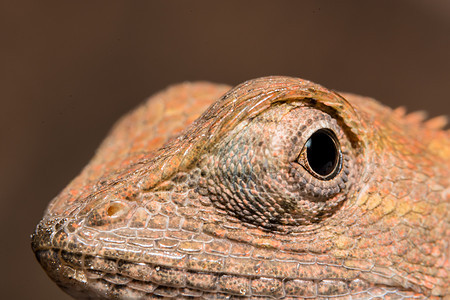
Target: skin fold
(210, 192)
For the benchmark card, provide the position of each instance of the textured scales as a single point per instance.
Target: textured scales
(181, 202)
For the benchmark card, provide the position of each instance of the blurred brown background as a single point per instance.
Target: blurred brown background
(68, 70)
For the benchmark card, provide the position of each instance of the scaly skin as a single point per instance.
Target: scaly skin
(223, 206)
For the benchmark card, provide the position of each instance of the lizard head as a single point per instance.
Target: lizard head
(281, 188)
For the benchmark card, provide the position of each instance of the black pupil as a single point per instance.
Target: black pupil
(322, 152)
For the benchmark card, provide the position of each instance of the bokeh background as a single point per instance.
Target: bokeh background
(69, 69)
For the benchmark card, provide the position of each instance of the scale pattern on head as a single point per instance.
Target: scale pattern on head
(239, 196)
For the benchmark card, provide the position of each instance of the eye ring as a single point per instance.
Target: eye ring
(321, 155)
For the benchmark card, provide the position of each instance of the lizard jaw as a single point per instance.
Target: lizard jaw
(88, 281)
(85, 272)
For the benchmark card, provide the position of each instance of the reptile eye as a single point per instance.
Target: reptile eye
(321, 155)
(290, 166)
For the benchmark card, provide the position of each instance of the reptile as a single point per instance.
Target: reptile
(277, 188)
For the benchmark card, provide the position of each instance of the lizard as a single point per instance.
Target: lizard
(278, 188)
